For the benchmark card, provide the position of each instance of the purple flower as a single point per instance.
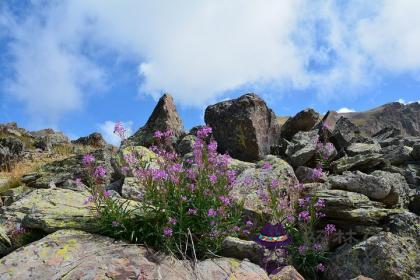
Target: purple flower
(263, 195)
(320, 203)
(246, 232)
(204, 132)
(107, 194)
(212, 223)
(158, 134)
(184, 198)
(176, 168)
(99, 172)
(290, 218)
(78, 182)
(167, 232)
(168, 133)
(88, 159)
(225, 200)
(211, 213)
(330, 229)
(302, 249)
(267, 166)
(301, 202)
(125, 170)
(319, 215)
(130, 158)
(192, 187)
(248, 181)
(317, 173)
(213, 179)
(249, 223)
(231, 174)
(236, 228)
(274, 184)
(158, 174)
(88, 200)
(172, 221)
(212, 146)
(119, 130)
(192, 211)
(317, 247)
(115, 223)
(304, 216)
(320, 267)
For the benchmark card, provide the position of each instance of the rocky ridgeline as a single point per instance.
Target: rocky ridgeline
(371, 189)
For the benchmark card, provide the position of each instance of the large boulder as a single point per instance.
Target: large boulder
(94, 140)
(71, 254)
(382, 256)
(50, 210)
(303, 148)
(253, 179)
(244, 127)
(303, 121)
(163, 118)
(363, 148)
(233, 247)
(11, 149)
(389, 188)
(62, 173)
(45, 139)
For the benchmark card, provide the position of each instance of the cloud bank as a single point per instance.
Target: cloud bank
(200, 50)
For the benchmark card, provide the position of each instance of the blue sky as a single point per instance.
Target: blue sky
(78, 66)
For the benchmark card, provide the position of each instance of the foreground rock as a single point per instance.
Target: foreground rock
(256, 178)
(50, 210)
(302, 121)
(301, 151)
(383, 256)
(164, 117)
(287, 273)
(71, 254)
(244, 127)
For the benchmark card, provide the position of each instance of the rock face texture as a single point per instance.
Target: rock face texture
(245, 127)
(302, 121)
(164, 117)
(72, 254)
(11, 149)
(94, 139)
(406, 118)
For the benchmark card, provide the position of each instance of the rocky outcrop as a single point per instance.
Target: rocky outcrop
(363, 162)
(244, 127)
(303, 121)
(345, 133)
(163, 118)
(62, 173)
(382, 256)
(71, 254)
(405, 118)
(94, 140)
(11, 149)
(45, 139)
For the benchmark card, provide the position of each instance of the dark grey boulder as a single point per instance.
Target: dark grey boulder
(303, 121)
(244, 127)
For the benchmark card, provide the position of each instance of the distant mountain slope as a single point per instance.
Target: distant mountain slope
(397, 115)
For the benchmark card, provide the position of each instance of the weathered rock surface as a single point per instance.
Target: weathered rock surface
(11, 149)
(70, 254)
(186, 144)
(132, 189)
(383, 256)
(397, 154)
(94, 140)
(362, 162)
(244, 127)
(302, 148)
(309, 175)
(252, 179)
(50, 210)
(164, 117)
(45, 139)
(233, 247)
(287, 273)
(303, 121)
(62, 172)
(363, 148)
(415, 153)
(389, 188)
(345, 133)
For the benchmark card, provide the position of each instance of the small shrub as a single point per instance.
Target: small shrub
(185, 207)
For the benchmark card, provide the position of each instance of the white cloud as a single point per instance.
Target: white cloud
(199, 50)
(345, 110)
(107, 130)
